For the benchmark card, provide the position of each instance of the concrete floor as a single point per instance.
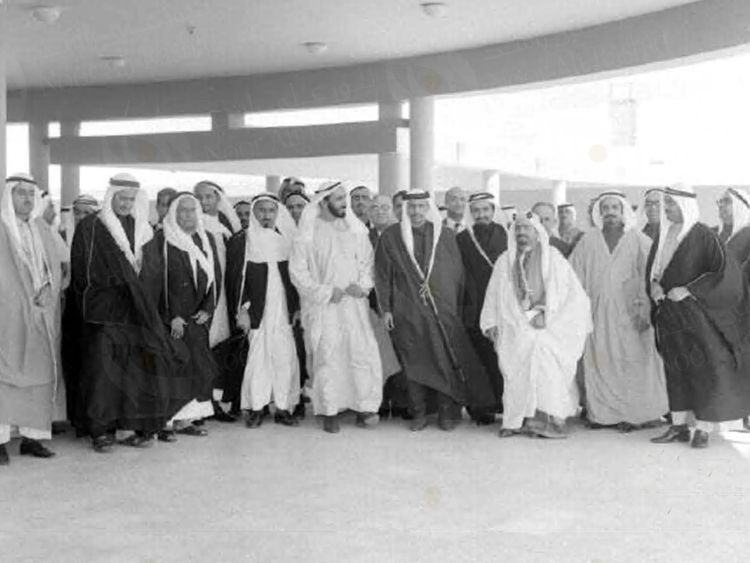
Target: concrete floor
(281, 494)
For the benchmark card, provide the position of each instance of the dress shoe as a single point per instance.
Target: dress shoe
(102, 444)
(192, 430)
(299, 410)
(331, 424)
(137, 441)
(418, 423)
(678, 433)
(166, 436)
(402, 412)
(4, 459)
(254, 419)
(626, 427)
(700, 439)
(220, 415)
(367, 419)
(384, 412)
(508, 433)
(285, 418)
(484, 419)
(34, 448)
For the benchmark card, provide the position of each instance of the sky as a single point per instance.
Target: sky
(688, 123)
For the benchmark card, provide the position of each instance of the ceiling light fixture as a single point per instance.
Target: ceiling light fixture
(115, 61)
(315, 47)
(46, 14)
(435, 9)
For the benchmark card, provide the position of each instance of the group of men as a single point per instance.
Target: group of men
(370, 304)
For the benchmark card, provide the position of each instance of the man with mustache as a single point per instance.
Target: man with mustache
(538, 316)
(623, 374)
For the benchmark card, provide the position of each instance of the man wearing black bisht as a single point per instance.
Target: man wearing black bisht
(700, 313)
(182, 270)
(481, 244)
(128, 368)
(419, 278)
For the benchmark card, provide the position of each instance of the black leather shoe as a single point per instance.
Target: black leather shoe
(34, 448)
(331, 424)
(102, 444)
(700, 439)
(367, 419)
(166, 436)
(137, 441)
(220, 415)
(285, 418)
(402, 412)
(4, 459)
(299, 410)
(193, 430)
(418, 423)
(254, 419)
(679, 433)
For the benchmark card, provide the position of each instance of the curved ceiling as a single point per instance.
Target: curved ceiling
(182, 39)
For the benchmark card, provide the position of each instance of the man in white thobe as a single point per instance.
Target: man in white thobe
(332, 267)
(623, 373)
(268, 306)
(538, 316)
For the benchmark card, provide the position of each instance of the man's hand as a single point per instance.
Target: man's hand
(243, 320)
(492, 333)
(538, 320)
(657, 292)
(337, 295)
(355, 291)
(678, 293)
(178, 327)
(201, 317)
(388, 320)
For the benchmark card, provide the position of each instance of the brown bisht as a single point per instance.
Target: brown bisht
(129, 363)
(703, 339)
(424, 350)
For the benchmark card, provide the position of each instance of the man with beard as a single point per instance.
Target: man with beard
(266, 304)
(623, 373)
(331, 265)
(222, 222)
(538, 316)
(700, 303)
(481, 243)
(184, 274)
(128, 361)
(29, 302)
(243, 209)
(419, 281)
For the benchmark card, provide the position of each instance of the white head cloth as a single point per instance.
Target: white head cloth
(36, 262)
(140, 212)
(740, 209)
(269, 245)
(507, 215)
(224, 207)
(684, 196)
(174, 235)
(628, 215)
(306, 227)
(434, 217)
(541, 232)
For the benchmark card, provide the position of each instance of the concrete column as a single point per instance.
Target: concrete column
(560, 192)
(39, 153)
(70, 174)
(422, 143)
(273, 183)
(222, 120)
(3, 157)
(392, 166)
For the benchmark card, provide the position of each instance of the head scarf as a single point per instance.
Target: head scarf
(628, 215)
(306, 227)
(269, 245)
(512, 252)
(174, 235)
(686, 199)
(508, 215)
(140, 212)
(86, 200)
(36, 262)
(433, 216)
(224, 207)
(740, 209)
